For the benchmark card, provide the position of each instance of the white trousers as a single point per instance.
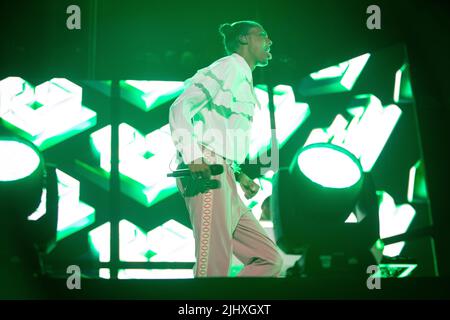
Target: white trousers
(223, 226)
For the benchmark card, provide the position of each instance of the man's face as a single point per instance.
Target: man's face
(259, 46)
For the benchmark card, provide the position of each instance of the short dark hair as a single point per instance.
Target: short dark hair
(231, 32)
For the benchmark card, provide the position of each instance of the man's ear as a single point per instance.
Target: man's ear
(243, 39)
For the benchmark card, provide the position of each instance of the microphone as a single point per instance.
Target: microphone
(215, 170)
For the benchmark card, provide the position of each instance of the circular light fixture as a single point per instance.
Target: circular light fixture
(329, 165)
(21, 176)
(17, 160)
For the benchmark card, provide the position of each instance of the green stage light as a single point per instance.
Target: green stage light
(339, 78)
(139, 155)
(132, 242)
(171, 242)
(47, 114)
(352, 218)
(394, 270)
(147, 95)
(317, 172)
(102, 86)
(365, 134)
(73, 214)
(144, 94)
(369, 131)
(289, 116)
(402, 87)
(21, 177)
(18, 160)
(329, 166)
(417, 185)
(394, 220)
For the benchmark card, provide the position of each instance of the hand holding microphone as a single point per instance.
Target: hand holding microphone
(200, 170)
(197, 170)
(197, 179)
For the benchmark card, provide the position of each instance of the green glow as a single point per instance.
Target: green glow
(330, 72)
(73, 214)
(379, 244)
(235, 269)
(99, 241)
(355, 67)
(366, 134)
(337, 130)
(328, 166)
(402, 87)
(394, 219)
(172, 242)
(132, 242)
(351, 218)
(139, 153)
(46, 115)
(74, 220)
(138, 156)
(289, 116)
(17, 160)
(412, 176)
(392, 270)
(104, 273)
(103, 86)
(318, 136)
(131, 143)
(398, 79)
(417, 186)
(356, 112)
(338, 78)
(148, 95)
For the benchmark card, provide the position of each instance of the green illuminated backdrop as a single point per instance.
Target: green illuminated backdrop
(370, 114)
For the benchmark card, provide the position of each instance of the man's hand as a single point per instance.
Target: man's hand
(200, 169)
(249, 187)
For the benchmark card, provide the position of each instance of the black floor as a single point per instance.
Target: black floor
(229, 288)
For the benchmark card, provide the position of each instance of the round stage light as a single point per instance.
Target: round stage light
(329, 165)
(21, 176)
(17, 160)
(314, 196)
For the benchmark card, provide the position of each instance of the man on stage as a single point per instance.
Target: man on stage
(211, 124)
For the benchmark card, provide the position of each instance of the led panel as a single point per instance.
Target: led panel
(46, 114)
(365, 134)
(394, 219)
(73, 214)
(338, 78)
(144, 161)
